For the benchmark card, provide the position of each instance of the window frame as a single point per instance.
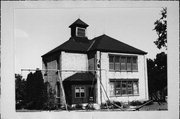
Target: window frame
(77, 31)
(114, 82)
(131, 65)
(80, 87)
(112, 63)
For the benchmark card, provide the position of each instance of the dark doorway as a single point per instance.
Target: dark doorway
(91, 94)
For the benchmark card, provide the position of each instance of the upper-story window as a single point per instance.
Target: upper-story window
(123, 63)
(80, 32)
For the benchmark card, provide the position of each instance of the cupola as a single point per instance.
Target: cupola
(78, 28)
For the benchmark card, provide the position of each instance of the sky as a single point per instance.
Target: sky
(37, 31)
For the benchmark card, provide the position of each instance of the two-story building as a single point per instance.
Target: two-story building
(101, 68)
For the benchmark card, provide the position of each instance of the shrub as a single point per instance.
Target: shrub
(106, 105)
(78, 106)
(111, 105)
(117, 103)
(135, 103)
(90, 107)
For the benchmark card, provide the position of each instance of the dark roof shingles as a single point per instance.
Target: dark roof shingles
(102, 43)
(74, 44)
(108, 44)
(86, 76)
(79, 22)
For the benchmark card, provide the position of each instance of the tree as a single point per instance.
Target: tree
(157, 73)
(157, 68)
(20, 85)
(36, 91)
(161, 30)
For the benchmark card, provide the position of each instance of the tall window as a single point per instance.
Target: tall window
(79, 92)
(125, 87)
(81, 32)
(57, 89)
(111, 62)
(117, 63)
(123, 63)
(134, 64)
(129, 63)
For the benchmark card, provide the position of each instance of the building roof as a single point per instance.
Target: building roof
(102, 43)
(74, 44)
(79, 22)
(108, 44)
(86, 76)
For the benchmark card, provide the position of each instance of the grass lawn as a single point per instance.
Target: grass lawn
(153, 107)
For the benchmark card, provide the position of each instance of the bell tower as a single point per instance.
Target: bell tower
(78, 28)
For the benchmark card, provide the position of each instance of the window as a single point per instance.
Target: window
(135, 88)
(112, 89)
(123, 63)
(134, 64)
(117, 63)
(57, 89)
(129, 63)
(124, 87)
(79, 92)
(118, 88)
(81, 32)
(111, 62)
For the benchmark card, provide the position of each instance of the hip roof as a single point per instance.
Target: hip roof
(102, 43)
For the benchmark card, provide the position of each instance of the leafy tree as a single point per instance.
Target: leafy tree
(157, 74)
(161, 30)
(20, 85)
(40, 90)
(157, 68)
(36, 91)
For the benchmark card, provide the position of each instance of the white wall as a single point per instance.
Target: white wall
(76, 61)
(73, 61)
(52, 75)
(141, 75)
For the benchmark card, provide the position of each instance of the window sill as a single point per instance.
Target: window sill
(124, 95)
(80, 97)
(122, 71)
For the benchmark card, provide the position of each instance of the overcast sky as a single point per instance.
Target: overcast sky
(37, 31)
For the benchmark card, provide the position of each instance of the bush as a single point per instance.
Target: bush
(135, 103)
(106, 105)
(111, 105)
(78, 106)
(90, 107)
(117, 103)
(50, 103)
